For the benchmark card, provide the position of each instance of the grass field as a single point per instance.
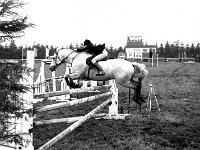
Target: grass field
(176, 126)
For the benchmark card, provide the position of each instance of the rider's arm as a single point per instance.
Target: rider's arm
(82, 49)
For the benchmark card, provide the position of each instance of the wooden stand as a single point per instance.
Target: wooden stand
(152, 96)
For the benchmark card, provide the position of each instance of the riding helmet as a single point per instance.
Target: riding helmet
(87, 42)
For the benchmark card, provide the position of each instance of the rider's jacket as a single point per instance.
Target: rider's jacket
(92, 49)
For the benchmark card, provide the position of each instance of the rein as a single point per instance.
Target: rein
(61, 61)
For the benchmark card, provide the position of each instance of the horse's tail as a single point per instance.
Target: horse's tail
(142, 68)
(141, 73)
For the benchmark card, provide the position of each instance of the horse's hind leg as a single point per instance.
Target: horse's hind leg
(134, 85)
(137, 88)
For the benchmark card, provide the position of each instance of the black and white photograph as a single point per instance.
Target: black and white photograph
(99, 75)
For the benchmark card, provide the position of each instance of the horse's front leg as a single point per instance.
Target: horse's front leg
(69, 80)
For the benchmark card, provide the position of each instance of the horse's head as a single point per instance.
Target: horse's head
(60, 56)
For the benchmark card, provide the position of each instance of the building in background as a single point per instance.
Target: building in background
(122, 55)
(136, 50)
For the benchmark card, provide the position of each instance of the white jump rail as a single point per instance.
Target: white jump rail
(71, 91)
(113, 112)
(65, 120)
(74, 102)
(74, 126)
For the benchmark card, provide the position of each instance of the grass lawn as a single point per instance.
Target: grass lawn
(176, 126)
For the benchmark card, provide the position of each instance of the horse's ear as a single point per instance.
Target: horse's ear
(56, 51)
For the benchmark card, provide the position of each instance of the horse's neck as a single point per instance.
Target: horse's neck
(69, 55)
(76, 56)
(83, 56)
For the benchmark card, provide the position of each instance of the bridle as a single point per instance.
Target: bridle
(61, 61)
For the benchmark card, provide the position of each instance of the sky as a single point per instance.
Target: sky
(61, 22)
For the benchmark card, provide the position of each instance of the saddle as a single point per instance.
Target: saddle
(89, 61)
(91, 65)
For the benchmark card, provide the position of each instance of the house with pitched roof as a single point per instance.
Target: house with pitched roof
(136, 49)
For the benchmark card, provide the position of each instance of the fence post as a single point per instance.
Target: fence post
(54, 80)
(42, 77)
(26, 121)
(113, 108)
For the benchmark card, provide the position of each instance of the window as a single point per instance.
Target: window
(130, 55)
(145, 50)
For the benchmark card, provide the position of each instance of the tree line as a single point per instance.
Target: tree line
(164, 50)
(178, 50)
(13, 52)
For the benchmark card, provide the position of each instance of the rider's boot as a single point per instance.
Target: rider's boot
(99, 69)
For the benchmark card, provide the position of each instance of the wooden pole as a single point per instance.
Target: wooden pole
(71, 91)
(25, 123)
(54, 80)
(74, 102)
(129, 100)
(113, 108)
(157, 60)
(73, 126)
(65, 120)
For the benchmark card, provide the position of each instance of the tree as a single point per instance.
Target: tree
(174, 52)
(167, 50)
(13, 52)
(12, 25)
(182, 51)
(52, 51)
(187, 50)
(121, 49)
(192, 51)
(197, 48)
(161, 50)
(10, 102)
(197, 52)
(71, 46)
(112, 52)
(41, 50)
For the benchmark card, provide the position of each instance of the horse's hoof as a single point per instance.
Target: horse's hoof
(110, 103)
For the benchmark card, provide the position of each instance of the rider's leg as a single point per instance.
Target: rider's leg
(96, 59)
(100, 56)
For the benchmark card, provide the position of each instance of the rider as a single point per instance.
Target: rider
(98, 53)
